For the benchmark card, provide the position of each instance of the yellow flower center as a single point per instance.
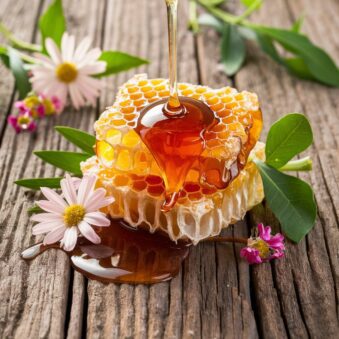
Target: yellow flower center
(66, 72)
(261, 246)
(31, 101)
(73, 214)
(23, 120)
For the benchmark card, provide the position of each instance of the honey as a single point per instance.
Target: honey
(125, 255)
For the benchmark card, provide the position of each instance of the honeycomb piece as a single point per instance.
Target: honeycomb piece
(228, 143)
(201, 211)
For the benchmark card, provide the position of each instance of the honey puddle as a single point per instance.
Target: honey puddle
(125, 255)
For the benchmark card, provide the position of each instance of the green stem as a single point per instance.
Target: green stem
(304, 164)
(17, 43)
(193, 17)
(219, 13)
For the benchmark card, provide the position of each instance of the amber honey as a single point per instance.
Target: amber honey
(125, 255)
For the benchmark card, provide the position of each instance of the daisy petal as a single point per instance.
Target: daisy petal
(82, 49)
(90, 57)
(100, 204)
(53, 51)
(97, 219)
(53, 196)
(51, 207)
(70, 238)
(86, 188)
(67, 47)
(44, 227)
(68, 190)
(54, 236)
(97, 195)
(88, 232)
(94, 68)
(42, 217)
(76, 97)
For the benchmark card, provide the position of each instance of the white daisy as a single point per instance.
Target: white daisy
(72, 212)
(69, 71)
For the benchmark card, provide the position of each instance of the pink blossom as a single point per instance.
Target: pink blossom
(72, 213)
(22, 122)
(263, 247)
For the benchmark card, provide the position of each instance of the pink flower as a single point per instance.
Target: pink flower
(22, 122)
(263, 247)
(72, 213)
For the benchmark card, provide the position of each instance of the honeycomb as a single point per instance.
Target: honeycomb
(129, 172)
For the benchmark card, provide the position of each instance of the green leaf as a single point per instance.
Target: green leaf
(291, 200)
(211, 2)
(21, 77)
(206, 19)
(67, 161)
(296, 27)
(118, 61)
(267, 45)
(298, 67)
(233, 49)
(4, 56)
(83, 140)
(249, 3)
(319, 63)
(52, 23)
(34, 209)
(286, 138)
(35, 184)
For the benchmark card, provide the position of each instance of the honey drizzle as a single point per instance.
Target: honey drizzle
(173, 106)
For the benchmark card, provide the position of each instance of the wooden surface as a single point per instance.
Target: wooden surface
(216, 295)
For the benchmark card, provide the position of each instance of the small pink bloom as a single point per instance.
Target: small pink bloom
(72, 213)
(58, 104)
(40, 110)
(264, 246)
(22, 122)
(22, 108)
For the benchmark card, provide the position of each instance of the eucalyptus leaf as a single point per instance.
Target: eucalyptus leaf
(267, 45)
(298, 67)
(83, 140)
(319, 63)
(21, 77)
(206, 19)
(35, 184)
(291, 200)
(286, 138)
(233, 51)
(52, 23)
(67, 161)
(118, 61)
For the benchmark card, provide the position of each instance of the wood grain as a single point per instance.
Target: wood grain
(216, 294)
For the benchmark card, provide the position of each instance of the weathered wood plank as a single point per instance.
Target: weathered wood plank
(34, 298)
(296, 296)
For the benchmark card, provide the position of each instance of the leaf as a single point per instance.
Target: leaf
(286, 138)
(35, 184)
(233, 49)
(21, 77)
(83, 140)
(296, 27)
(4, 56)
(211, 2)
(34, 209)
(319, 63)
(298, 67)
(52, 23)
(267, 45)
(67, 161)
(291, 200)
(249, 3)
(118, 61)
(209, 20)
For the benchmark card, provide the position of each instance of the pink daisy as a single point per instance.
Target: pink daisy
(72, 213)
(264, 246)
